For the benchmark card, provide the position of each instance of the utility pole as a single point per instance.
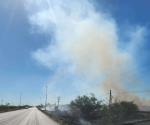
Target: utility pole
(110, 110)
(46, 97)
(110, 98)
(20, 99)
(58, 101)
(2, 101)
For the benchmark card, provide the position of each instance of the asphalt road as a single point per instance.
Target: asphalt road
(30, 116)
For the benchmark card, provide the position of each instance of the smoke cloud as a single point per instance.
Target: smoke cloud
(85, 47)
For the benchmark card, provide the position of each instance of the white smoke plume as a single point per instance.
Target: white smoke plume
(84, 45)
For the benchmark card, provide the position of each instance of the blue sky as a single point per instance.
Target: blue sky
(23, 43)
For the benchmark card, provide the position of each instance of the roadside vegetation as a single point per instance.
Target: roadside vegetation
(88, 110)
(8, 107)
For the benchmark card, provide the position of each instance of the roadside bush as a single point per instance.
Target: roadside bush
(89, 106)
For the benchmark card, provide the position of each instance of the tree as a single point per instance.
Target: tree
(89, 106)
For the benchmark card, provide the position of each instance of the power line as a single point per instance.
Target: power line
(133, 91)
(124, 92)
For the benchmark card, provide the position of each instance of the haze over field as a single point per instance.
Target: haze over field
(76, 47)
(85, 48)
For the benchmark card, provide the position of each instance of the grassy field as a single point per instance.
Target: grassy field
(146, 123)
(5, 108)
